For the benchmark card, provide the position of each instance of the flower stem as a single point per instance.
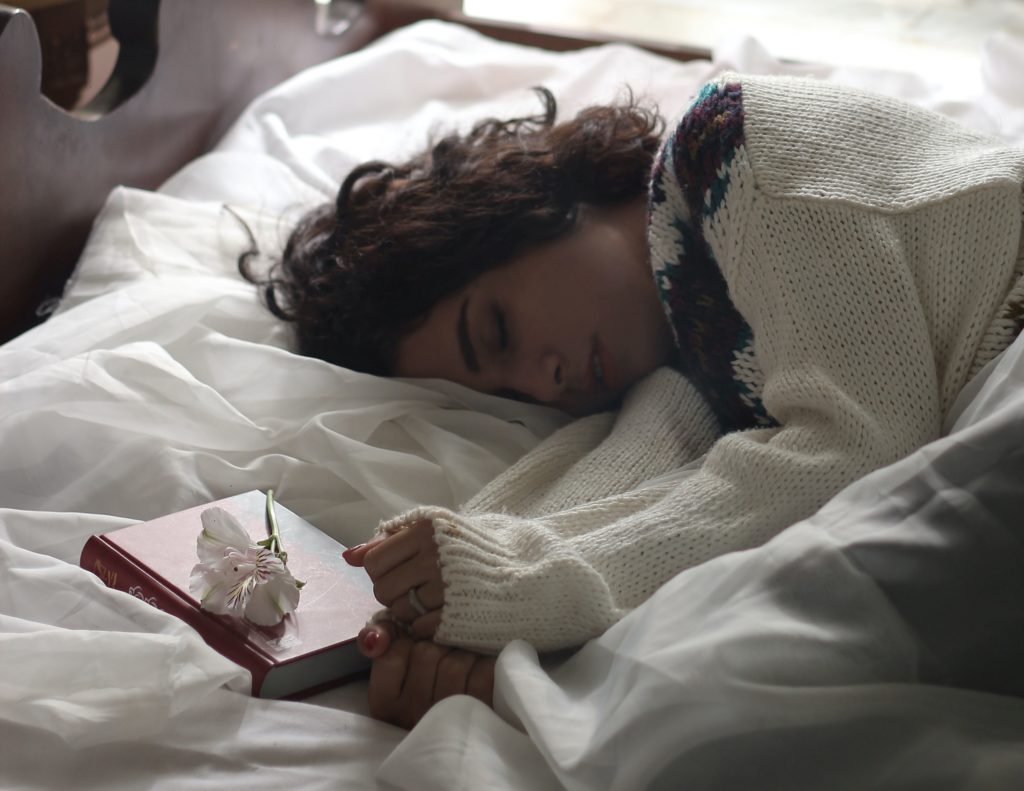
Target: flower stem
(273, 530)
(274, 542)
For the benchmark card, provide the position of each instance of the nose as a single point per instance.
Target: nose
(541, 377)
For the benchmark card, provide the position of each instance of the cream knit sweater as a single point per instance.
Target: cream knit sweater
(873, 251)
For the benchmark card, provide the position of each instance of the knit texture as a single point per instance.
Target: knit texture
(690, 180)
(856, 260)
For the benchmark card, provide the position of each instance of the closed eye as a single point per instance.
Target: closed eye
(502, 329)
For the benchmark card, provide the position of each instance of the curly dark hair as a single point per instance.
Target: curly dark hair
(358, 275)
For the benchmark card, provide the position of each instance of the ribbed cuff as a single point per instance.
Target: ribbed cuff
(505, 579)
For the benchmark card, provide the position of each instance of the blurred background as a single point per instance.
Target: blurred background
(924, 36)
(914, 35)
(78, 51)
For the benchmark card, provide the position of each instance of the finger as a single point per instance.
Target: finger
(480, 683)
(430, 593)
(400, 547)
(376, 638)
(425, 627)
(453, 673)
(418, 692)
(385, 555)
(354, 556)
(387, 678)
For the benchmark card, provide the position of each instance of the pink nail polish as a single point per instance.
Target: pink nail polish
(347, 554)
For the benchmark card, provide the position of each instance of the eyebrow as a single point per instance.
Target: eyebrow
(465, 345)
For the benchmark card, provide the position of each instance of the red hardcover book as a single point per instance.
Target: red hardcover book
(310, 649)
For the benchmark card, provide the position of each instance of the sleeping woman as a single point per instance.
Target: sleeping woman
(782, 294)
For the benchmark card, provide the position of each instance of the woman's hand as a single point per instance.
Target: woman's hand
(406, 575)
(408, 676)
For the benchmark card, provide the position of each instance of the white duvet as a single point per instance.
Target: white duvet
(880, 644)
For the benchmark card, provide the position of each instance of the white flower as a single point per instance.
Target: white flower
(236, 576)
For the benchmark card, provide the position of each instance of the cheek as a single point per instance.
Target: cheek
(426, 352)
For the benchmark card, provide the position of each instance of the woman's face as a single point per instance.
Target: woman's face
(572, 323)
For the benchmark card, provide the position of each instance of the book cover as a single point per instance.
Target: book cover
(310, 649)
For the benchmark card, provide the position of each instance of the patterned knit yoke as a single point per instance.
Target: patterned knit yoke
(690, 178)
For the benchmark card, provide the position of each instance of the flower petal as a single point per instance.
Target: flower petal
(220, 531)
(213, 581)
(273, 600)
(236, 575)
(202, 579)
(215, 599)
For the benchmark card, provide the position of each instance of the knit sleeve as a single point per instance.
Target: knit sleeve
(662, 425)
(525, 557)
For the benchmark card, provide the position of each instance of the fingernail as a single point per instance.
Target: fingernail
(368, 640)
(347, 554)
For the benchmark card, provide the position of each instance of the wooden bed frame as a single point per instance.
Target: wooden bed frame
(185, 70)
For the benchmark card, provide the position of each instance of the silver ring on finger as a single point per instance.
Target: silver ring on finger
(414, 600)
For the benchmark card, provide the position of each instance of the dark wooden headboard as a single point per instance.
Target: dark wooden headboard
(207, 60)
(185, 70)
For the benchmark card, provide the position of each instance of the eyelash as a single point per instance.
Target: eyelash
(499, 319)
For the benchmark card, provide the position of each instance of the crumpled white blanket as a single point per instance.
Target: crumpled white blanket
(818, 661)
(879, 644)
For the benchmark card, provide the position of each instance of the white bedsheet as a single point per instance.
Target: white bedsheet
(160, 383)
